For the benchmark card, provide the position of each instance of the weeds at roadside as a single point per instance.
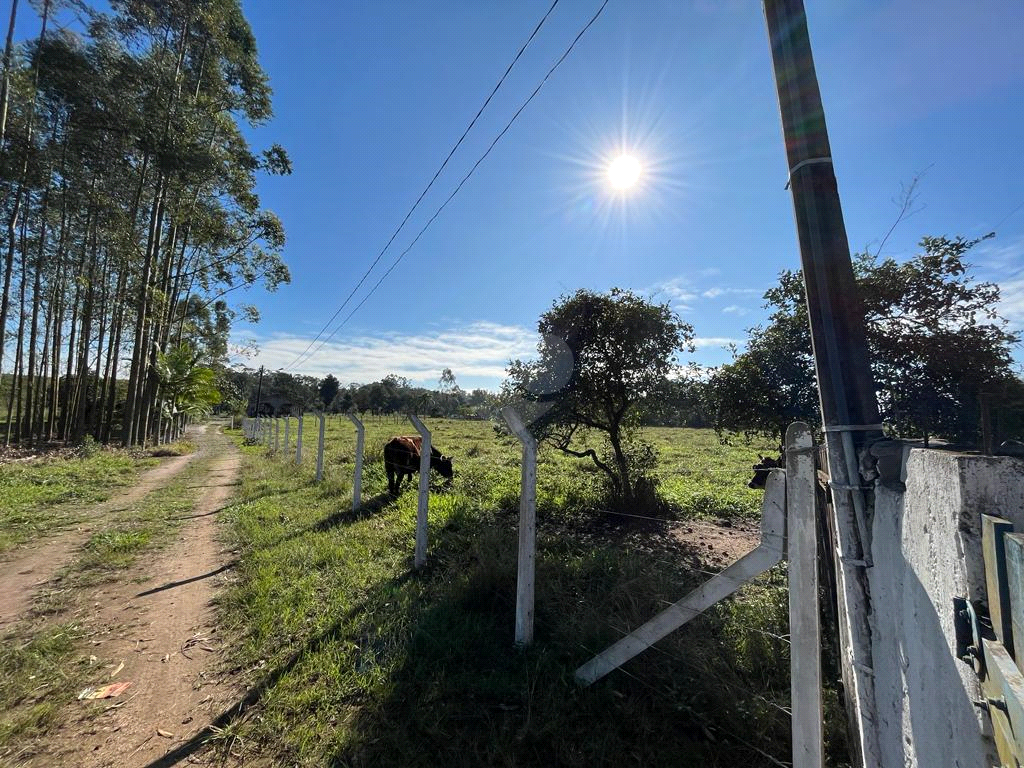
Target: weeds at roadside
(34, 674)
(47, 494)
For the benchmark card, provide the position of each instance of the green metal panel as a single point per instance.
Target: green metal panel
(993, 529)
(1013, 544)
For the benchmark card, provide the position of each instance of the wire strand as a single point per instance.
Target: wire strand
(464, 178)
(430, 184)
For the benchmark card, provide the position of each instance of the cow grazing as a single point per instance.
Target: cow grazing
(402, 457)
(763, 468)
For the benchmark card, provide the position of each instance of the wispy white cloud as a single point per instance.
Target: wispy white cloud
(476, 352)
(735, 309)
(1011, 305)
(714, 293)
(1003, 264)
(678, 291)
(703, 342)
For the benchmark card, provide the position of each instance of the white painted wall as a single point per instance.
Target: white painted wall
(927, 550)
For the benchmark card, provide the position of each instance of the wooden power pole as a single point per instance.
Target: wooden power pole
(846, 387)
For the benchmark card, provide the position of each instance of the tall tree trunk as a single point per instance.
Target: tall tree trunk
(85, 335)
(6, 86)
(14, 402)
(12, 223)
(66, 399)
(33, 336)
(44, 386)
(55, 350)
(135, 376)
(99, 384)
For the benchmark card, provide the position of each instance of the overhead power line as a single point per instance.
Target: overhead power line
(430, 184)
(465, 178)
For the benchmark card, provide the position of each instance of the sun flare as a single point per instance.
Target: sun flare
(624, 172)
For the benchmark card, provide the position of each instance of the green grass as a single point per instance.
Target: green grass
(355, 659)
(47, 494)
(35, 676)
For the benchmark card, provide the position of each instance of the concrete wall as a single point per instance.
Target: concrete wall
(927, 550)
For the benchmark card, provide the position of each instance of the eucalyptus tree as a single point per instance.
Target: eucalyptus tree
(131, 211)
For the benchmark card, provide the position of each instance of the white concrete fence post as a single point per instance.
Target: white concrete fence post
(527, 562)
(287, 431)
(420, 558)
(270, 433)
(320, 450)
(277, 434)
(298, 442)
(804, 618)
(357, 478)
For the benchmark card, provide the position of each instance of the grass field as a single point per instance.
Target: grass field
(46, 494)
(355, 659)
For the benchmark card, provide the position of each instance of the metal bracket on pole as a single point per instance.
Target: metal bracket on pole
(420, 558)
(320, 450)
(527, 528)
(357, 477)
(768, 553)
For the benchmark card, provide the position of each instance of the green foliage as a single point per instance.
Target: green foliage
(328, 389)
(187, 387)
(127, 162)
(600, 360)
(935, 337)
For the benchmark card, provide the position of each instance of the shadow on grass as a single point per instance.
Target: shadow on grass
(369, 507)
(183, 582)
(459, 693)
(255, 694)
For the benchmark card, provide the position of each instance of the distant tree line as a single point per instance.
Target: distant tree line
(128, 215)
(282, 393)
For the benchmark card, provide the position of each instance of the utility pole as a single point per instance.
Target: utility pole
(845, 384)
(259, 391)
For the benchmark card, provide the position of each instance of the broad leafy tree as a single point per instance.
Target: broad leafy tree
(936, 338)
(601, 360)
(328, 389)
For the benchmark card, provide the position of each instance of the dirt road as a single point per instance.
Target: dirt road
(154, 626)
(25, 570)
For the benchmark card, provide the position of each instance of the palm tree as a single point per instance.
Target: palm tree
(187, 390)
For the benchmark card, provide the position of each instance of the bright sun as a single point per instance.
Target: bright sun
(624, 172)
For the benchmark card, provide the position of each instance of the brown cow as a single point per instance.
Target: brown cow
(402, 457)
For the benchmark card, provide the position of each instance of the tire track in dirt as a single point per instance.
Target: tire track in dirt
(26, 570)
(158, 619)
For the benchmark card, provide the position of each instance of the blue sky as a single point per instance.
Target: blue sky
(371, 96)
